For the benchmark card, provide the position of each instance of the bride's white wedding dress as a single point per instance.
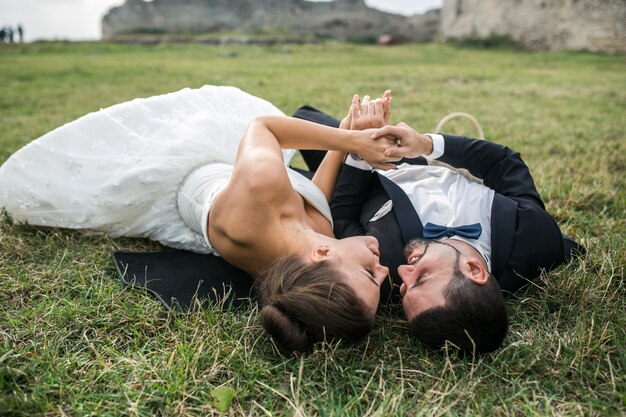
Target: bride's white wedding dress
(119, 170)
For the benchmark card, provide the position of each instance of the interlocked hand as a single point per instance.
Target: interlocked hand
(408, 142)
(368, 113)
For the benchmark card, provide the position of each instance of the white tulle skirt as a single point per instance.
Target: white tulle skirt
(118, 170)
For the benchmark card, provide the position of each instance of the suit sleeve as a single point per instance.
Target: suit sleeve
(500, 168)
(351, 191)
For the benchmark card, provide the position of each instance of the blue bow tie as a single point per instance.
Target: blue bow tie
(435, 231)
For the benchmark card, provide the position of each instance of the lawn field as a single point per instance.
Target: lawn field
(75, 342)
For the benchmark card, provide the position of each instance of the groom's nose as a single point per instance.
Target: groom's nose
(407, 274)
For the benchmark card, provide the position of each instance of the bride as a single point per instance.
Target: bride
(205, 170)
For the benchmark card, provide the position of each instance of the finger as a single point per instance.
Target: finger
(354, 107)
(386, 141)
(371, 108)
(387, 106)
(387, 114)
(387, 131)
(396, 153)
(386, 97)
(365, 105)
(379, 108)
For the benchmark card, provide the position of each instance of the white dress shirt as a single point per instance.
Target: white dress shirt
(442, 196)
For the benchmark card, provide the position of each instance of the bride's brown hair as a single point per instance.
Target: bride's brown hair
(305, 303)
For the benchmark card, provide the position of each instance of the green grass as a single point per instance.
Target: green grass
(74, 341)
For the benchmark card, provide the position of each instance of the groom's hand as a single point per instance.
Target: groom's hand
(409, 143)
(373, 151)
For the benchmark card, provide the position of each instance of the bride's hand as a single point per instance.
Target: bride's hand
(368, 113)
(373, 113)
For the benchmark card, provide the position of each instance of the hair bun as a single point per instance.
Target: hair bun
(288, 334)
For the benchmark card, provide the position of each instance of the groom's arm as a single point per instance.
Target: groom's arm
(538, 242)
(352, 184)
(500, 168)
(351, 192)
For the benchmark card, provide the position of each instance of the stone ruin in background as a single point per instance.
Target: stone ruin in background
(594, 25)
(341, 19)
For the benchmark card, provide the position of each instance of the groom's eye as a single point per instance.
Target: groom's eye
(419, 281)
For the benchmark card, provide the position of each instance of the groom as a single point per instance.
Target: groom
(452, 245)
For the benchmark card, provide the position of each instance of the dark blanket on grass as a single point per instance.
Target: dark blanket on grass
(182, 280)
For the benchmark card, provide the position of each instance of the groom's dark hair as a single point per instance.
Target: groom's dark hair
(474, 317)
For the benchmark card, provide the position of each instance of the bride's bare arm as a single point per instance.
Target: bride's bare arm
(361, 115)
(259, 168)
(292, 133)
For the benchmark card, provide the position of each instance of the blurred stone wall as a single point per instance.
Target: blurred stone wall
(343, 19)
(594, 25)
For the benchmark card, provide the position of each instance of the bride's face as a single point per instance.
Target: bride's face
(358, 258)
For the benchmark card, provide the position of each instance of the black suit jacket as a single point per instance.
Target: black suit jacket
(525, 239)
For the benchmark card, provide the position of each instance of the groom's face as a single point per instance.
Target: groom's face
(430, 267)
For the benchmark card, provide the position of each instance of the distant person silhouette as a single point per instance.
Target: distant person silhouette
(20, 32)
(8, 34)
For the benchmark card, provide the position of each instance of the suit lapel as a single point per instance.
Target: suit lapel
(409, 221)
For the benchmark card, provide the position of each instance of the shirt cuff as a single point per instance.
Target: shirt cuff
(357, 163)
(438, 146)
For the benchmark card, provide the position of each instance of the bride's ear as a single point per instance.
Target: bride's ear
(320, 253)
